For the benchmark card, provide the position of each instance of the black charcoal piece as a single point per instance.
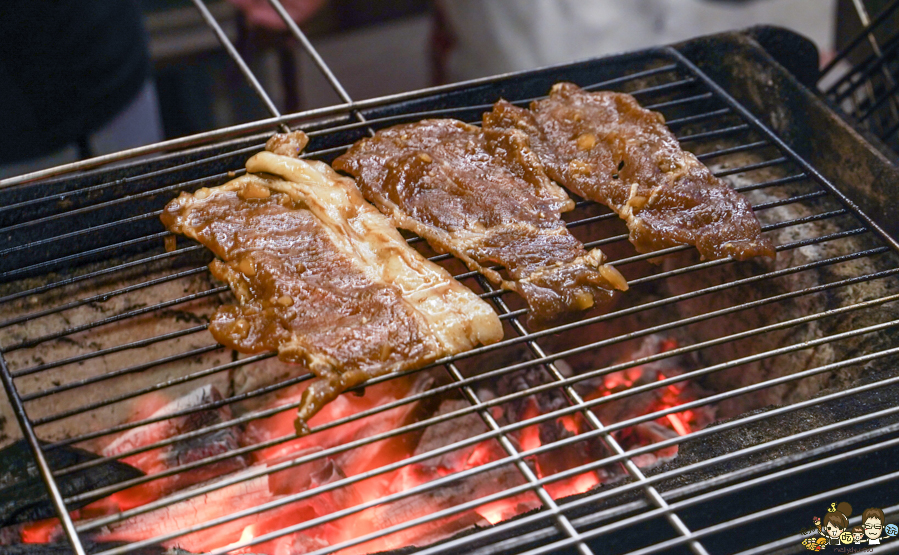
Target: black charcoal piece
(90, 547)
(23, 495)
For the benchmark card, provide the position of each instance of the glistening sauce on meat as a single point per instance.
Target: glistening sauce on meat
(605, 147)
(323, 278)
(486, 203)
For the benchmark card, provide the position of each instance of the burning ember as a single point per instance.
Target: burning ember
(330, 487)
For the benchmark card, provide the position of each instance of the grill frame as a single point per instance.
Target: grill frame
(390, 106)
(861, 79)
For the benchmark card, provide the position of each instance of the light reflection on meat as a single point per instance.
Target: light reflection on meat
(324, 463)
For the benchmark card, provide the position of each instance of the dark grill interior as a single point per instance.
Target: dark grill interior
(796, 357)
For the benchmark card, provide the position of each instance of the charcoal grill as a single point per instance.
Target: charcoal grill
(86, 276)
(862, 78)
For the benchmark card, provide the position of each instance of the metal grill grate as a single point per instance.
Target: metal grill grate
(863, 79)
(88, 280)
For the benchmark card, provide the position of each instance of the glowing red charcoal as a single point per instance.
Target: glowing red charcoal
(326, 461)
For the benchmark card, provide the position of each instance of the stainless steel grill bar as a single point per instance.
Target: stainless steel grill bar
(310, 523)
(464, 543)
(198, 270)
(204, 407)
(99, 206)
(615, 396)
(786, 460)
(847, 86)
(862, 35)
(202, 182)
(751, 167)
(164, 146)
(666, 87)
(102, 296)
(666, 68)
(147, 176)
(739, 487)
(424, 395)
(487, 466)
(98, 273)
(549, 504)
(237, 58)
(704, 135)
(102, 352)
(722, 492)
(710, 263)
(745, 168)
(808, 219)
(222, 176)
(69, 236)
(338, 449)
(718, 288)
(732, 150)
(671, 250)
(84, 254)
(698, 117)
(333, 485)
(73, 234)
(266, 125)
(749, 472)
(312, 52)
(865, 19)
(116, 373)
(449, 387)
(418, 115)
(780, 181)
(43, 468)
(791, 200)
(607, 439)
(118, 317)
(708, 463)
(157, 387)
(655, 304)
(783, 147)
(878, 481)
(679, 101)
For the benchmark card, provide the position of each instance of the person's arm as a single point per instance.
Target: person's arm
(260, 13)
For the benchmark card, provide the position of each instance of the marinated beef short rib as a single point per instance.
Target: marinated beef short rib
(323, 278)
(605, 147)
(486, 203)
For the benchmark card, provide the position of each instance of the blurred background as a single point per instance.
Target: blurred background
(382, 47)
(190, 85)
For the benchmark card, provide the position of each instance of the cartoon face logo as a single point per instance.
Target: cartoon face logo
(846, 537)
(873, 527)
(891, 530)
(832, 530)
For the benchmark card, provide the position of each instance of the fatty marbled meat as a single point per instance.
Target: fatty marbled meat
(486, 204)
(605, 147)
(323, 278)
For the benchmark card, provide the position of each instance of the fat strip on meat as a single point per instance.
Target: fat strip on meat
(487, 204)
(323, 278)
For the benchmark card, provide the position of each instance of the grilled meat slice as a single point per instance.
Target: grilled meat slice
(605, 147)
(323, 278)
(486, 204)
